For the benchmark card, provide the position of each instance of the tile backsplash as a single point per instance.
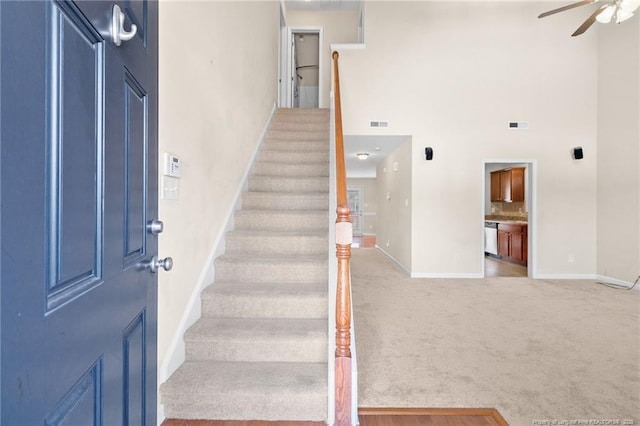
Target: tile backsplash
(518, 209)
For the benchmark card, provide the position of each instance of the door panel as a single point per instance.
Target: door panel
(75, 133)
(78, 186)
(81, 405)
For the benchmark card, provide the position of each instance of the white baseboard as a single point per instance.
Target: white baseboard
(615, 281)
(176, 352)
(564, 276)
(394, 260)
(445, 275)
(161, 417)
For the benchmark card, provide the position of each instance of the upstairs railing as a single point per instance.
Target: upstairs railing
(344, 236)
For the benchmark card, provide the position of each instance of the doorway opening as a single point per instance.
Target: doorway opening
(302, 73)
(508, 218)
(306, 82)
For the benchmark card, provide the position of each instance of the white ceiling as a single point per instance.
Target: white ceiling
(377, 146)
(323, 4)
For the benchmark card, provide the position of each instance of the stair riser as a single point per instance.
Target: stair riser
(292, 135)
(271, 273)
(297, 184)
(295, 157)
(262, 245)
(283, 169)
(293, 146)
(260, 306)
(310, 349)
(260, 220)
(266, 201)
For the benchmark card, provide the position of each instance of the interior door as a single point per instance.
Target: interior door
(355, 199)
(78, 188)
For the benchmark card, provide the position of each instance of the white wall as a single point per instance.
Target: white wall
(393, 180)
(218, 83)
(619, 151)
(452, 75)
(338, 27)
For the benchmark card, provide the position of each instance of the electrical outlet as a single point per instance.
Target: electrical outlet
(572, 258)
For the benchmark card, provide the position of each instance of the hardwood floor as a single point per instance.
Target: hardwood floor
(364, 241)
(383, 417)
(499, 268)
(430, 417)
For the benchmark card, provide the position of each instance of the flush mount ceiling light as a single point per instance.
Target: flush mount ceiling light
(609, 11)
(362, 155)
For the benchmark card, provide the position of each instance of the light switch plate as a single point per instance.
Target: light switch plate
(170, 188)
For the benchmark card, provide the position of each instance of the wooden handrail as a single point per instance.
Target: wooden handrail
(344, 236)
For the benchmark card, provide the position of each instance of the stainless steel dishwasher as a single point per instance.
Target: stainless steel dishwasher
(491, 238)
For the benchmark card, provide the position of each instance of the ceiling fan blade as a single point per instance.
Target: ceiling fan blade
(590, 20)
(567, 7)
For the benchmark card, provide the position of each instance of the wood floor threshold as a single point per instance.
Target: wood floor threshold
(381, 417)
(431, 416)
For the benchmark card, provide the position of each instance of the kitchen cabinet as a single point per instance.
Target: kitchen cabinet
(517, 184)
(496, 189)
(512, 242)
(508, 185)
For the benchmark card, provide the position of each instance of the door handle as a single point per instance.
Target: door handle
(118, 33)
(155, 263)
(155, 227)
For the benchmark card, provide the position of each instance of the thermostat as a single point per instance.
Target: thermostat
(171, 165)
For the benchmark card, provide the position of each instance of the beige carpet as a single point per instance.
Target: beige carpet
(534, 349)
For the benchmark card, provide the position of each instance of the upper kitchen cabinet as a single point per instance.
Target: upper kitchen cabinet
(517, 184)
(507, 185)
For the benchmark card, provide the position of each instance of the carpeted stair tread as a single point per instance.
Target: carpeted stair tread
(279, 156)
(258, 340)
(306, 269)
(314, 125)
(291, 169)
(247, 391)
(265, 300)
(297, 135)
(295, 146)
(294, 220)
(283, 243)
(297, 184)
(285, 201)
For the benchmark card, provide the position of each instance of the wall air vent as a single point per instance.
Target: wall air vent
(378, 124)
(519, 125)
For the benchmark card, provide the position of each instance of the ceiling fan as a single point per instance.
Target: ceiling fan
(609, 10)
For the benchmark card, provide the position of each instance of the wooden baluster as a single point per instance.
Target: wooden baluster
(344, 236)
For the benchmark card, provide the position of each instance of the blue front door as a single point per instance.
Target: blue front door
(78, 187)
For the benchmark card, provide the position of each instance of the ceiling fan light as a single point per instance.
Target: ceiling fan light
(623, 15)
(606, 15)
(629, 5)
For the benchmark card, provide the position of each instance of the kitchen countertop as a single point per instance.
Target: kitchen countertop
(506, 219)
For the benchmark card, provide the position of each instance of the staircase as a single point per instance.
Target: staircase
(259, 352)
